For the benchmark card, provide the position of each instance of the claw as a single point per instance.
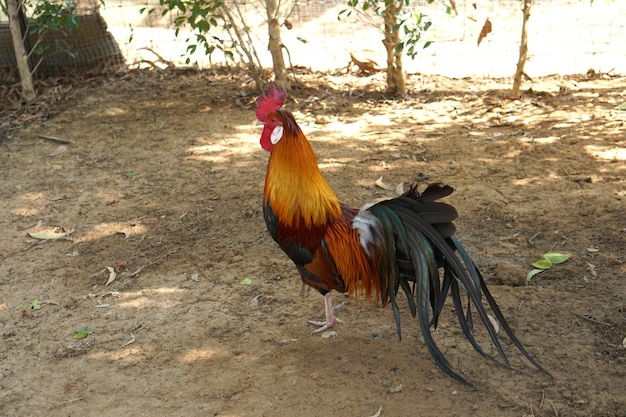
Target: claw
(331, 319)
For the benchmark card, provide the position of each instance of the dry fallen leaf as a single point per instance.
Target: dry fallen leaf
(112, 275)
(379, 183)
(50, 234)
(494, 322)
(58, 151)
(399, 190)
(378, 412)
(486, 30)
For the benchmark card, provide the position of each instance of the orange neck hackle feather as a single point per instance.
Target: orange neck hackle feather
(299, 194)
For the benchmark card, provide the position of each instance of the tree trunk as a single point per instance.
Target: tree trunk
(396, 79)
(523, 52)
(21, 55)
(275, 45)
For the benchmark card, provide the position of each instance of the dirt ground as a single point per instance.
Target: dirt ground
(161, 181)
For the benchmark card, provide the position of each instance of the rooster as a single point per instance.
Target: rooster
(401, 243)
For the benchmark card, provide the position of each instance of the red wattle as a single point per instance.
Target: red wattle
(266, 142)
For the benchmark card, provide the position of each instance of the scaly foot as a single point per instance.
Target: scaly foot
(331, 319)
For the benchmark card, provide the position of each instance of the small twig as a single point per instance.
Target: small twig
(543, 397)
(39, 242)
(513, 236)
(169, 64)
(593, 320)
(570, 328)
(558, 243)
(534, 236)
(44, 295)
(54, 139)
(527, 76)
(132, 340)
(554, 409)
(66, 402)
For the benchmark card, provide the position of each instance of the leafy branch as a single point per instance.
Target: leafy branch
(199, 15)
(50, 17)
(410, 25)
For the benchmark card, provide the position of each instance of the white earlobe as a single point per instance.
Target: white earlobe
(277, 135)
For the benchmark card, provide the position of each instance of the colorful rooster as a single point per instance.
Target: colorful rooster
(401, 243)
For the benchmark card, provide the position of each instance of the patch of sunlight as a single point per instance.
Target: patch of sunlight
(194, 355)
(30, 204)
(250, 127)
(330, 165)
(25, 211)
(114, 111)
(239, 144)
(146, 302)
(540, 141)
(536, 180)
(3, 306)
(609, 153)
(153, 297)
(103, 230)
(512, 154)
(208, 148)
(206, 354)
(354, 130)
(524, 181)
(492, 161)
(151, 291)
(203, 153)
(127, 354)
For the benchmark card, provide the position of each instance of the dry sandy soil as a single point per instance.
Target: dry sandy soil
(162, 181)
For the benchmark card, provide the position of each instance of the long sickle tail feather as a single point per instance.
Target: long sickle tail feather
(418, 231)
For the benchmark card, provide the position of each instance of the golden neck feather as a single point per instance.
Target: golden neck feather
(294, 185)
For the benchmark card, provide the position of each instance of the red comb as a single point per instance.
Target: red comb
(272, 100)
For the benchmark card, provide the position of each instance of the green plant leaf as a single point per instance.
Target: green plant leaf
(246, 281)
(542, 264)
(556, 258)
(621, 106)
(83, 332)
(533, 273)
(35, 305)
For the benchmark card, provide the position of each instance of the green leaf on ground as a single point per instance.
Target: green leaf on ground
(83, 332)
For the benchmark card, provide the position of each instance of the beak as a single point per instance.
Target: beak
(259, 123)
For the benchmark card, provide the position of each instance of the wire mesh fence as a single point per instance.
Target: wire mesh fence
(565, 36)
(87, 48)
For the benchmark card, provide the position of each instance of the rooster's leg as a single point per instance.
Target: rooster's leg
(331, 319)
